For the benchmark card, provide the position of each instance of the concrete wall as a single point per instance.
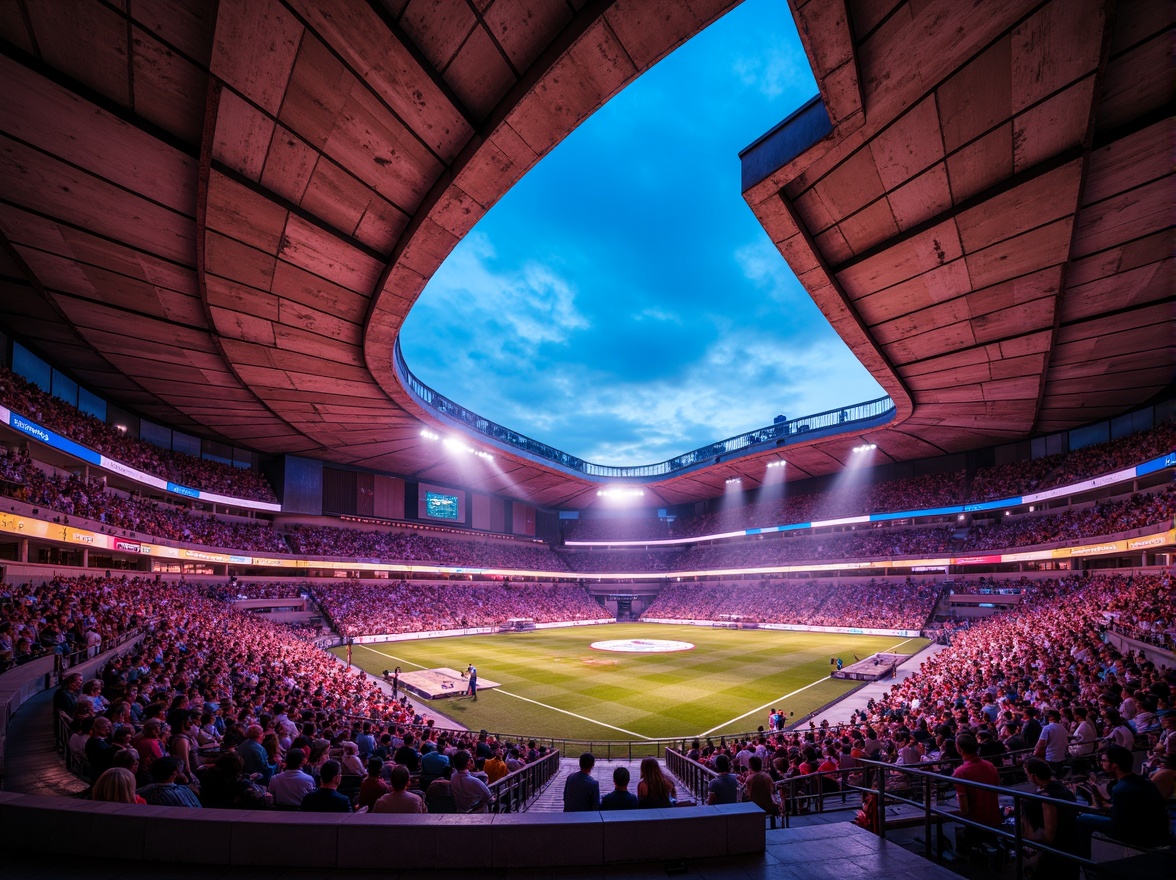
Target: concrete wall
(309, 840)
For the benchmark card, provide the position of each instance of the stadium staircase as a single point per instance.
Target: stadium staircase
(551, 800)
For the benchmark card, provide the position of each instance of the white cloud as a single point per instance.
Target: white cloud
(738, 385)
(533, 303)
(774, 72)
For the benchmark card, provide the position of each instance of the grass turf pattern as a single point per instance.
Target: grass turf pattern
(553, 684)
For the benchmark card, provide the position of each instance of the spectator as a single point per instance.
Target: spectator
(977, 804)
(116, 785)
(470, 794)
(1138, 814)
(293, 784)
(620, 798)
(1050, 824)
(163, 790)
(724, 788)
(399, 799)
(581, 790)
(326, 798)
(654, 790)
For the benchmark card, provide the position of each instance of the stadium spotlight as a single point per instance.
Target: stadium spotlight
(731, 480)
(455, 444)
(429, 435)
(865, 447)
(620, 492)
(779, 462)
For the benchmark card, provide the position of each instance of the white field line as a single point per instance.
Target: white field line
(517, 697)
(786, 696)
(899, 645)
(774, 702)
(573, 714)
(391, 657)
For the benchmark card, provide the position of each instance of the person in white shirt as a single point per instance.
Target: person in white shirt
(291, 785)
(1084, 739)
(1053, 744)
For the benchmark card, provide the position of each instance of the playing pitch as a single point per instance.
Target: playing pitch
(554, 684)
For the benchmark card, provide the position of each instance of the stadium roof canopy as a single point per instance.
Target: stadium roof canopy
(219, 215)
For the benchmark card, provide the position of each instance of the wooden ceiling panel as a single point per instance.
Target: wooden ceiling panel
(978, 98)
(1131, 86)
(318, 251)
(1057, 45)
(289, 162)
(363, 42)
(906, 259)
(50, 118)
(522, 26)
(258, 69)
(981, 164)
(1122, 291)
(937, 285)
(1036, 202)
(346, 149)
(184, 25)
(1131, 215)
(244, 214)
(48, 185)
(170, 90)
(918, 200)
(438, 29)
(1136, 159)
(85, 40)
(480, 75)
(242, 133)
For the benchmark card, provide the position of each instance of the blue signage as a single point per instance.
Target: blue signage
(49, 438)
(183, 490)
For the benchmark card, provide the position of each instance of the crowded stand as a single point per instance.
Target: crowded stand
(877, 604)
(69, 616)
(25, 398)
(395, 546)
(916, 493)
(858, 543)
(1002, 672)
(258, 590)
(360, 608)
(1116, 455)
(72, 495)
(201, 656)
(597, 561)
(1103, 518)
(1037, 681)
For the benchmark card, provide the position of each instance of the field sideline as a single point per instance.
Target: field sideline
(555, 685)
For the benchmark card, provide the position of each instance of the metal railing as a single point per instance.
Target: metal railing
(834, 421)
(63, 662)
(602, 749)
(514, 792)
(694, 776)
(931, 793)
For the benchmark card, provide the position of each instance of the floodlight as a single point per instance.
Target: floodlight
(620, 492)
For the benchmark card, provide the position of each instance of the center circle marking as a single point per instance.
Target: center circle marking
(642, 646)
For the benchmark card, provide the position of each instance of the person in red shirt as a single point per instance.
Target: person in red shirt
(978, 804)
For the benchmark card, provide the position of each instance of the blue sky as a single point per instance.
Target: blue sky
(621, 302)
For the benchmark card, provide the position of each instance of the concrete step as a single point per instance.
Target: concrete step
(551, 800)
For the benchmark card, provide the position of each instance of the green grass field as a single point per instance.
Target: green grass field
(553, 684)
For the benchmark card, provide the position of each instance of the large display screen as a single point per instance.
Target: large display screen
(441, 506)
